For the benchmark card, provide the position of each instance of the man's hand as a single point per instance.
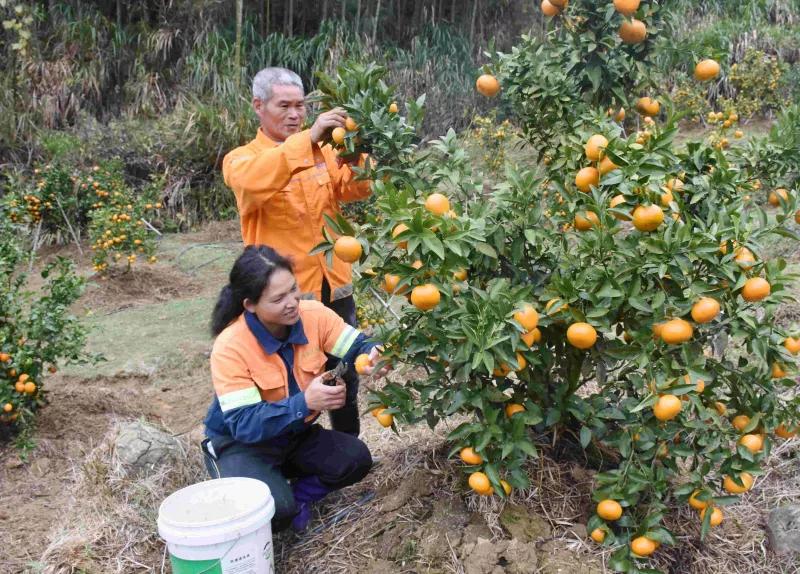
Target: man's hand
(326, 121)
(321, 397)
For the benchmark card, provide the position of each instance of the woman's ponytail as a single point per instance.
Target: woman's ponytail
(226, 310)
(247, 280)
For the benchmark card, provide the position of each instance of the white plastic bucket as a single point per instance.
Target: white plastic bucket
(219, 526)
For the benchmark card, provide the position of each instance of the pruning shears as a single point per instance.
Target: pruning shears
(334, 376)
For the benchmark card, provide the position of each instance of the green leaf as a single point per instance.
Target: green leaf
(586, 436)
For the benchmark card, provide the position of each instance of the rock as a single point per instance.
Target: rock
(417, 485)
(523, 524)
(521, 558)
(142, 447)
(501, 557)
(484, 557)
(783, 527)
(379, 566)
(443, 530)
(556, 558)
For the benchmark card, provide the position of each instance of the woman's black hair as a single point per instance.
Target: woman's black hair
(247, 280)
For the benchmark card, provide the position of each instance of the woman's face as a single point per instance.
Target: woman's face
(280, 301)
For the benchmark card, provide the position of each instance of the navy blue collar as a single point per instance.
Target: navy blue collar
(297, 336)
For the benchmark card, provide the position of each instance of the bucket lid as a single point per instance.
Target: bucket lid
(215, 510)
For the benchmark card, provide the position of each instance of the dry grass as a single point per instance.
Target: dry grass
(110, 527)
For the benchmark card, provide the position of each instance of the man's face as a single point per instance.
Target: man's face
(283, 114)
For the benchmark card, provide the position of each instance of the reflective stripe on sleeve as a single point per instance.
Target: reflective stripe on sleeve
(344, 342)
(242, 398)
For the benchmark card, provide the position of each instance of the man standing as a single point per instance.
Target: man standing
(284, 181)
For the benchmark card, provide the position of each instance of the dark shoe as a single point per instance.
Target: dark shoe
(306, 490)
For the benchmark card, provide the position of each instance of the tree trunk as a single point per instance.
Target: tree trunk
(472, 24)
(237, 58)
(453, 12)
(344, 11)
(375, 23)
(358, 16)
(290, 19)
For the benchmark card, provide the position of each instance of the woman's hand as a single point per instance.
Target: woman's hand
(374, 358)
(321, 397)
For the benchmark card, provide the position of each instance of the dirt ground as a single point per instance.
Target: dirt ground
(68, 508)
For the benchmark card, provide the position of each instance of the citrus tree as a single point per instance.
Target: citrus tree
(618, 296)
(37, 331)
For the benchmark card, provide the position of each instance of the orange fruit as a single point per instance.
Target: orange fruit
(8, 407)
(615, 201)
(773, 197)
(792, 345)
(30, 387)
(19, 387)
(469, 456)
(4, 357)
(586, 178)
(647, 106)
(606, 165)
(549, 10)
(390, 282)
(501, 370)
(667, 407)
(797, 216)
(338, 134)
(362, 364)
(674, 184)
(778, 372)
(586, 223)
(552, 302)
(633, 31)
(527, 317)
(581, 335)
(398, 229)
(705, 70)
(425, 297)
(647, 218)
(437, 204)
(559, 3)
(479, 482)
(393, 108)
(755, 289)
(643, 546)
(730, 485)
(666, 198)
(598, 535)
(514, 408)
(460, 274)
(784, 432)
(347, 248)
(744, 258)
(350, 125)
(695, 503)
(716, 516)
(720, 408)
(24, 377)
(531, 337)
(595, 146)
(385, 419)
(609, 510)
(752, 442)
(620, 116)
(506, 487)
(487, 85)
(676, 331)
(626, 7)
(705, 310)
(521, 362)
(740, 422)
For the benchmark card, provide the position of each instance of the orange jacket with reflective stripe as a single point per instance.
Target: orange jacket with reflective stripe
(282, 191)
(244, 374)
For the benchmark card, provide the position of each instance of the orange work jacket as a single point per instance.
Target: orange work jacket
(282, 191)
(244, 374)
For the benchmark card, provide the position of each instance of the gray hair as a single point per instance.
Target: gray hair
(268, 77)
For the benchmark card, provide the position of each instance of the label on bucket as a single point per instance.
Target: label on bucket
(244, 558)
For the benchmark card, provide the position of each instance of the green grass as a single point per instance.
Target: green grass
(146, 339)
